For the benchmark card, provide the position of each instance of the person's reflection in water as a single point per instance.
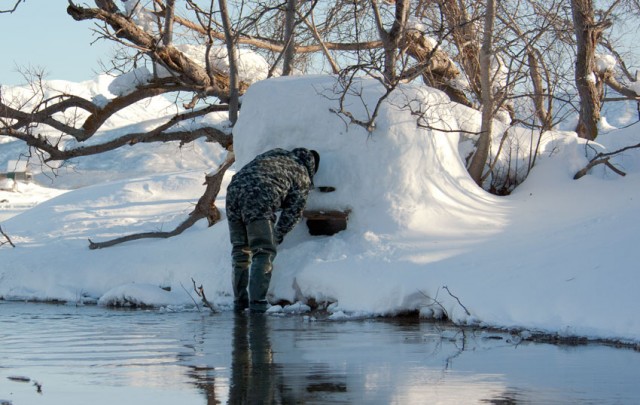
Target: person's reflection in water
(253, 373)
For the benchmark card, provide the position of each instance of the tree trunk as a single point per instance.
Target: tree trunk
(167, 36)
(289, 38)
(479, 160)
(438, 70)
(391, 39)
(466, 40)
(587, 35)
(234, 80)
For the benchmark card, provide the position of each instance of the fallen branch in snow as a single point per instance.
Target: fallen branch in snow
(205, 208)
(594, 162)
(162, 235)
(603, 158)
(200, 292)
(8, 240)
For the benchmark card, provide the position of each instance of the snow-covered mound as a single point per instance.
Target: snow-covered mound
(397, 179)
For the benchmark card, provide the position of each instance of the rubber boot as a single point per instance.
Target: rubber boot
(240, 262)
(263, 250)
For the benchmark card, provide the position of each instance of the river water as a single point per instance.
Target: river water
(89, 355)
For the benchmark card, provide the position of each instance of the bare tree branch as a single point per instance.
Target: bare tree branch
(45, 110)
(311, 25)
(603, 158)
(628, 93)
(189, 72)
(279, 46)
(160, 134)
(15, 7)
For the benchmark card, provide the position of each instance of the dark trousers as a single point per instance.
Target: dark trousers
(253, 248)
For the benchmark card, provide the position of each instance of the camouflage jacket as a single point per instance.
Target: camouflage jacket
(274, 180)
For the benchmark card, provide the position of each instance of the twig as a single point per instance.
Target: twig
(6, 237)
(436, 302)
(596, 162)
(190, 296)
(615, 169)
(457, 299)
(603, 158)
(200, 292)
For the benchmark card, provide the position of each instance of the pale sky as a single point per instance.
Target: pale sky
(40, 34)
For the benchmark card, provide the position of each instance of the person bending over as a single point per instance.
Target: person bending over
(274, 180)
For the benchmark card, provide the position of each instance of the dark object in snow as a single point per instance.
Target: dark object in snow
(19, 378)
(326, 222)
(326, 189)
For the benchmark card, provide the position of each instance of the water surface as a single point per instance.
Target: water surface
(62, 354)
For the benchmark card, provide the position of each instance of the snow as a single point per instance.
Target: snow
(142, 14)
(556, 256)
(127, 83)
(605, 62)
(251, 66)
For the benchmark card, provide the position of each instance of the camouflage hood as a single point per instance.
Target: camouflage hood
(308, 160)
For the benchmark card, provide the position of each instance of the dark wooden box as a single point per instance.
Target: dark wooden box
(327, 222)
